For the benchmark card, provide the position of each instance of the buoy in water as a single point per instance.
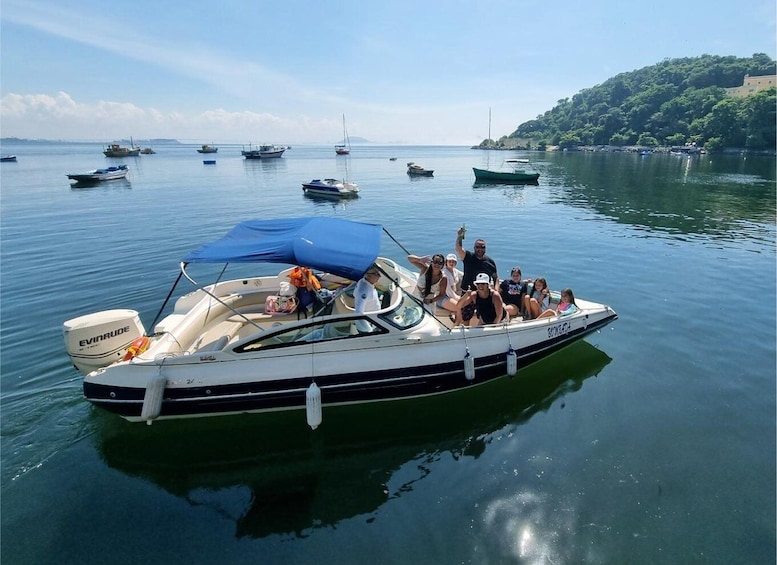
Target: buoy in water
(512, 363)
(469, 366)
(313, 405)
(152, 400)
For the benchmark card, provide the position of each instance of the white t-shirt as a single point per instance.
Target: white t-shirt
(421, 285)
(365, 299)
(454, 281)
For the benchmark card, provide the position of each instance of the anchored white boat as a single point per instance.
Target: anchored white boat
(344, 148)
(99, 175)
(331, 187)
(222, 350)
(263, 152)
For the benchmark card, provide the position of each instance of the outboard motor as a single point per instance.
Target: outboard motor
(100, 339)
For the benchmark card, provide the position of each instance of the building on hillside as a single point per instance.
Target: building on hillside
(751, 85)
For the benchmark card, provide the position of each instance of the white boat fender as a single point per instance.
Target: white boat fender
(469, 366)
(512, 363)
(313, 405)
(152, 400)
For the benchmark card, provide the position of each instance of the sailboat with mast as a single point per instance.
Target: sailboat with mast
(345, 147)
(515, 169)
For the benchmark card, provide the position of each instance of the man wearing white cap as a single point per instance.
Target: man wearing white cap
(487, 303)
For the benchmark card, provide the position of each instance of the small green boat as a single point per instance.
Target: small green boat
(516, 176)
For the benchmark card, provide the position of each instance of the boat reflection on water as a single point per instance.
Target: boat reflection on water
(292, 479)
(118, 183)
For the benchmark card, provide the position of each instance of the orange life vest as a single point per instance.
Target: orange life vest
(300, 276)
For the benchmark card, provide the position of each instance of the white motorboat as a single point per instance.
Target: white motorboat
(264, 152)
(221, 351)
(331, 187)
(99, 175)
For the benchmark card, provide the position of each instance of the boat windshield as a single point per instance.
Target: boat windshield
(407, 314)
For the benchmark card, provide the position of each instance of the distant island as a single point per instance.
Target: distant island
(160, 141)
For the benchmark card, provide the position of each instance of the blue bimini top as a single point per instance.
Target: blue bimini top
(333, 245)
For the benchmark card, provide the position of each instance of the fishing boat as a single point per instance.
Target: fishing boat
(227, 347)
(147, 151)
(8, 159)
(331, 187)
(418, 171)
(345, 147)
(263, 151)
(100, 175)
(117, 150)
(208, 149)
(516, 174)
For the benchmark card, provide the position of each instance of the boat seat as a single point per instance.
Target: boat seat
(216, 345)
(260, 317)
(211, 337)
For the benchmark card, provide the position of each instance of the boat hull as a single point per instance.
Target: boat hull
(262, 155)
(483, 175)
(237, 390)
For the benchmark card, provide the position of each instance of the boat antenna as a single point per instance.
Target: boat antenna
(169, 294)
(402, 247)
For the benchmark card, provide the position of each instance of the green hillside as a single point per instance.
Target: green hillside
(675, 102)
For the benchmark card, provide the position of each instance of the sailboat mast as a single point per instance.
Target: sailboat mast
(489, 126)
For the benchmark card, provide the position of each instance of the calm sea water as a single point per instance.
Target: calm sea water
(650, 442)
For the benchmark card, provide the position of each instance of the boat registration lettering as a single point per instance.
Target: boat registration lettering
(559, 329)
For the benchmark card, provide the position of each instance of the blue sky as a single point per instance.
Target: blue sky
(423, 72)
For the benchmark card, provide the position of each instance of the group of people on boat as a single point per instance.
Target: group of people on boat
(475, 296)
